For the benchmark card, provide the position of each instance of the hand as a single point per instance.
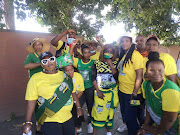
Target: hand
(100, 95)
(26, 128)
(71, 31)
(109, 62)
(141, 132)
(150, 129)
(79, 112)
(74, 43)
(98, 38)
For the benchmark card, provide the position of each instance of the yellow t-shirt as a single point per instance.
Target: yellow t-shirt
(75, 62)
(78, 82)
(169, 63)
(60, 44)
(127, 75)
(95, 56)
(44, 85)
(79, 51)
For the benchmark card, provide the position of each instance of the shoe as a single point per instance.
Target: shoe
(122, 128)
(79, 130)
(90, 128)
(108, 133)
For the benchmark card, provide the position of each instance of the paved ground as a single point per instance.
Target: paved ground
(14, 127)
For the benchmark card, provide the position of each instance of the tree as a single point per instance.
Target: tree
(160, 17)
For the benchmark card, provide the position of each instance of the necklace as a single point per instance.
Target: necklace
(48, 71)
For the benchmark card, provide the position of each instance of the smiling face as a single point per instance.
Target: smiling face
(50, 65)
(155, 72)
(126, 43)
(69, 70)
(38, 46)
(152, 45)
(92, 46)
(86, 53)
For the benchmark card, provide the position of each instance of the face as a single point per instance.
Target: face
(140, 40)
(152, 46)
(86, 53)
(109, 50)
(155, 72)
(92, 46)
(69, 70)
(126, 43)
(48, 63)
(38, 46)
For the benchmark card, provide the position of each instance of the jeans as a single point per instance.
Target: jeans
(129, 113)
(171, 131)
(88, 97)
(55, 128)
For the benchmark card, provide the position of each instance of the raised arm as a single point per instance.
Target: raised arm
(32, 65)
(58, 37)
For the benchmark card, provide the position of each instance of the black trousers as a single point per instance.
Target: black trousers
(55, 128)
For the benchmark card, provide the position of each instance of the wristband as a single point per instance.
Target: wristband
(134, 94)
(78, 107)
(27, 122)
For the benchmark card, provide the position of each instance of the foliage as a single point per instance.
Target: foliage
(149, 17)
(160, 17)
(2, 25)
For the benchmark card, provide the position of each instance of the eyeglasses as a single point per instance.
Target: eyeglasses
(45, 61)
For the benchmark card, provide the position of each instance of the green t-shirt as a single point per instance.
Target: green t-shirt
(33, 58)
(85, 70)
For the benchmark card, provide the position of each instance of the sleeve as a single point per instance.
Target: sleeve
(31, 90)
(93, 72)
(170, 100)
(28, 59)
(60, 44)
(170, 65)
(137, 60)
(75, 62)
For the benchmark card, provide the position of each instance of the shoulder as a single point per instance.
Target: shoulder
(165, 56)
(137, 55)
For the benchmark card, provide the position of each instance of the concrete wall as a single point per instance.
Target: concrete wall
(13, 77)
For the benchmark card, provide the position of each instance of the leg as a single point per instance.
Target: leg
(68, 127)
(131, 116)
(94, 131)
(90, 100)
(52, 128)
(122, 104)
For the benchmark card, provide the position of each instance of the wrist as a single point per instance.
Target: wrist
(27, 122)
(79, 107)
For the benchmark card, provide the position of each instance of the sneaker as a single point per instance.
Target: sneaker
(122, 128)
(79, 130)
(108, 133)
(90, 128)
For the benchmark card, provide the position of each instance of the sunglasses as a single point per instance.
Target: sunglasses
(78, 44)
(45, 61)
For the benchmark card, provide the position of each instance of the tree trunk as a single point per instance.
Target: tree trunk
(9, 14)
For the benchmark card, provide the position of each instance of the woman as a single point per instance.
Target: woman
(162, 98)
(65, 62)
(36, 48)
(84, 66)
(51, 90)
(152, 45)
(130, 77)
(105, 97)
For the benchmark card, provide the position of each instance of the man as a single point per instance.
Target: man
(141, 41)
(60, 45)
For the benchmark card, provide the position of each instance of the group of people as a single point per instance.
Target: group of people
(139, 78)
